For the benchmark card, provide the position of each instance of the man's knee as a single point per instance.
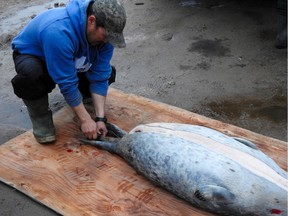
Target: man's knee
(32, 80)
(83, 83)
(112, 78)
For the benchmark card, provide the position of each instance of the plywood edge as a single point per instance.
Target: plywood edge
(193, 118)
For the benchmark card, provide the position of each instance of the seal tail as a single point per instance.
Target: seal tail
(109, 144)
(115, 131)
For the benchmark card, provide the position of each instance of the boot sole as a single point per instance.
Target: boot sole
(47, 139)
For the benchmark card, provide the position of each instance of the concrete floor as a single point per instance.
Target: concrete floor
(227, 68)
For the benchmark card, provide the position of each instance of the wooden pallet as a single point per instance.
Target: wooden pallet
(75, 179)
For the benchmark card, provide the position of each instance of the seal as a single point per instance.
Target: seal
(212, 171)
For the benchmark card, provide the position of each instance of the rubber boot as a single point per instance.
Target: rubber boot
(41, 118)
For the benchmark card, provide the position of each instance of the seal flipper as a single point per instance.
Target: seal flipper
(246, 142)
(108, 145)
(114, 131)
(215, 193)
(109, 142)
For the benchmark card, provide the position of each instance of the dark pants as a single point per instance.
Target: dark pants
(33, 82)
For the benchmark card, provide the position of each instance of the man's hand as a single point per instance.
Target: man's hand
(89, 129)
(88, 125)
(101, 128)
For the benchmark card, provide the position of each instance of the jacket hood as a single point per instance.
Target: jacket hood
(76, 10)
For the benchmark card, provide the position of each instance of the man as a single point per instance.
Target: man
(71, 47)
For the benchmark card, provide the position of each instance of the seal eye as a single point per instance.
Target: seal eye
(199, 196)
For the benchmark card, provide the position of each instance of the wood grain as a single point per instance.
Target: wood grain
(75, 179)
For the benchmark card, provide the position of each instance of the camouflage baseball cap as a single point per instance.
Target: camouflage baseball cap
(112, 16)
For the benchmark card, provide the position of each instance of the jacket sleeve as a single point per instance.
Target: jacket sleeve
(100, 71)
(58, 50)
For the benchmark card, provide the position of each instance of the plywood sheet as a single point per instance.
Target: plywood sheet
(75, 179)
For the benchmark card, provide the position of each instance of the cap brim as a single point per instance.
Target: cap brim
(116, 39)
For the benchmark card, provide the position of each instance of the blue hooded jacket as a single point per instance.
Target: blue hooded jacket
(58, 36)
